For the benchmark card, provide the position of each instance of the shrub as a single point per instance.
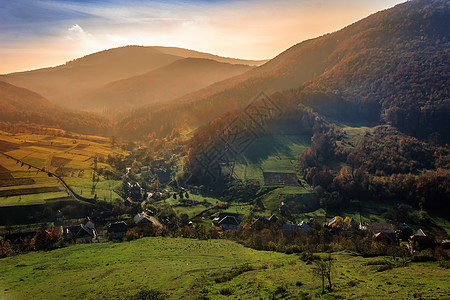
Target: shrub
(226, 291)
(149, 294)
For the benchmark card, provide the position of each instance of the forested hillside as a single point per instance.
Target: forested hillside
(388, 68)
(388, 72)
(18, 105)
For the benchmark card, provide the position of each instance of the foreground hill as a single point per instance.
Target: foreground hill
(174, 80)
(390, 67)
(95, 70)
(24, 106)
(213, 269)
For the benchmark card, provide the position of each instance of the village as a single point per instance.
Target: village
(120, 225)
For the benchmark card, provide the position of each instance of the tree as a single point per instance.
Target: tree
(322, 269)
(5, 248)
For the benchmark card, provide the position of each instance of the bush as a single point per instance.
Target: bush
(149, 294)
(226, 291)
(423, 256)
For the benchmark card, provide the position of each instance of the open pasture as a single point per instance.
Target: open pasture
(272, 153)
(216, 269)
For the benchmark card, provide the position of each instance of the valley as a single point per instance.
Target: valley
(154, 172)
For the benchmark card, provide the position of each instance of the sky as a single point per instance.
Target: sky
(44, 33)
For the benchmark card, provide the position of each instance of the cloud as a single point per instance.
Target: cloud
(76, 32)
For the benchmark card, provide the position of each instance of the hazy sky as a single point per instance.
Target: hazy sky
(40, 33)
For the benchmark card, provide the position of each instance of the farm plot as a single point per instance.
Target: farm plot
(274, 178)
(70, 158)
(271, 154)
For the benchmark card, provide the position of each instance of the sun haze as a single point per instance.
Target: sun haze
(37, 34)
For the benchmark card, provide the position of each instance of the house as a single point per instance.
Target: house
(135, 191)
(304, 226)
(117, 230)
(385, 237)
(229, 223)
(89, 223)
(142, 220)
(272, 219)
(79, 233)
(288, 228)
(337, 221)
(284, 209)
(404, 231)
(376, 227)
(420, 241)
(260, 223)
(217, 217)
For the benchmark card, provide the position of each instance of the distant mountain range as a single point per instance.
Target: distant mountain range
(171, 81)
(86, 74)
(389, 68)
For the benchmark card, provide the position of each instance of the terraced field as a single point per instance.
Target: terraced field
(271, 154)
(23, 177)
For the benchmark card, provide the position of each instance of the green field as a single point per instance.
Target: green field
(188, 208)
(70, 158)
(353, 134)
(273, 153)
(217, 269)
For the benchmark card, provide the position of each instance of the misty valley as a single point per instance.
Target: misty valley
(155, 172)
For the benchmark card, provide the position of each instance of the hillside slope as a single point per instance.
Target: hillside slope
(171, 81)
(97, 69)
(390, 67)
(19, 105)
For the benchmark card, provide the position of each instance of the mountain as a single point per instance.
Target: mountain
(95, 70)
(174, 80)
(391, 67)
(19, 105)
(288, 70)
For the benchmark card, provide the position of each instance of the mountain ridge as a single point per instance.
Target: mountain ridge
(170, 81)
(92, 71)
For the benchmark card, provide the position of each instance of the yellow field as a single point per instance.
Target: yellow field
(70, 158)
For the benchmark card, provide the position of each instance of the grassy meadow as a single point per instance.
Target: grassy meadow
(216, 269)
(273, 153)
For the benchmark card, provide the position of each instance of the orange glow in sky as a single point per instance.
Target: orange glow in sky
(36, 34)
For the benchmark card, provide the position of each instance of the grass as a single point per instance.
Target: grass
(217, 269)
(353, 134)
(31, 199)
(274, 153)
(188, 208)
